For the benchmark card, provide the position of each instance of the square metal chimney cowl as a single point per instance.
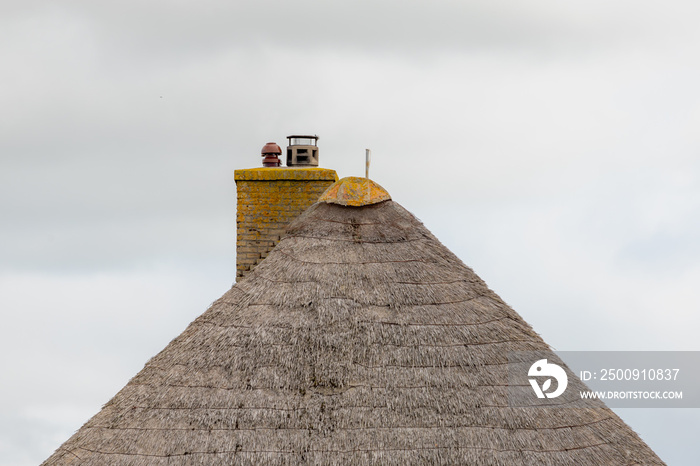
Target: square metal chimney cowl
(302, 151)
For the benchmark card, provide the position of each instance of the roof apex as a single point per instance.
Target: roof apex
(355, 191)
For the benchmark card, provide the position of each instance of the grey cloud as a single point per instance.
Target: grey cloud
(155, 32)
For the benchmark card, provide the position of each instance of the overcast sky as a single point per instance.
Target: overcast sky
(554, 146)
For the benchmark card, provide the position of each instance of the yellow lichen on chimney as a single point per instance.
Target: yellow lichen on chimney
(268, 200)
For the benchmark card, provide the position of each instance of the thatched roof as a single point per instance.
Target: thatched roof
(360, 339)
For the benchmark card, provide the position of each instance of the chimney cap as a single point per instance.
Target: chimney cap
(271, 148)
(312, 139)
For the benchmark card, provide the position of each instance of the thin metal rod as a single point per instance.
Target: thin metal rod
(368, 159)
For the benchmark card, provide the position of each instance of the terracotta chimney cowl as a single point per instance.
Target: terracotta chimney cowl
(270, 153)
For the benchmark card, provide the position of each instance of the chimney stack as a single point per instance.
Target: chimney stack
(270, 197)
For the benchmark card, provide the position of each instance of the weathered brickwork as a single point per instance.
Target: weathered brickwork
(268, 199)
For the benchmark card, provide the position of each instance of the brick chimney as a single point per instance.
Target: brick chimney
(268, 199)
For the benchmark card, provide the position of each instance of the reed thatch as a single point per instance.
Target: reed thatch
(360, 340)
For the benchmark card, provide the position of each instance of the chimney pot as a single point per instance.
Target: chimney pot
(270, 153)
